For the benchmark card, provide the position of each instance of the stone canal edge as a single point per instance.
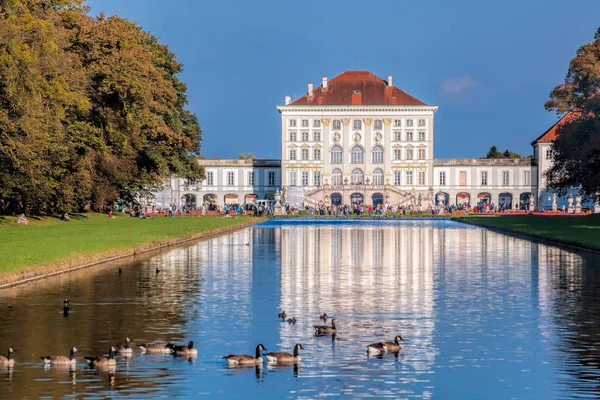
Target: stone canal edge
(43, 271)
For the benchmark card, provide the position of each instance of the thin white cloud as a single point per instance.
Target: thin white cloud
(458, 85)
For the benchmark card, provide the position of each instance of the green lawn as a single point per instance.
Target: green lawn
(49, 240)
(576, 231)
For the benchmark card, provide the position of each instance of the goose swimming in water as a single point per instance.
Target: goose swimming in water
(102, 361)
(188, 350)
(326, 330)
(156, 348)
(8, 361)
(282, 357)
(61, 360)
(245, 359)
(385, 347)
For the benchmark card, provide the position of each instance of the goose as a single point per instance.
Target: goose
(157, 271)
(292, 320)
(282, 357)
(66, 308)
(188, 350)
(125, 348)
(282, 314)
(103, 361)
(155, 348)
(324, 317)
(326, 330)
(61, 360)
(8, 361)
(245, 359)
(385, 347)
(120, 271)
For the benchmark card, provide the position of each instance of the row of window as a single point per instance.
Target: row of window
(336, 124)
(304, 136)
(210, 178)
(358, 177)
(397, 136)
(462, 178)
(357, 155)
(304, 154)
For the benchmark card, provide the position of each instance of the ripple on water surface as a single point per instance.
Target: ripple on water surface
(484, 315)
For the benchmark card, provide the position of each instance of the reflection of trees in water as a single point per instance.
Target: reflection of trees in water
(572, 300)
(105, 307)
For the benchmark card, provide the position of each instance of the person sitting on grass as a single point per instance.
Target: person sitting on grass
(110, 214)
(22, 220)
(66, 217)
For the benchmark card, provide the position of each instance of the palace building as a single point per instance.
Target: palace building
(358, 138)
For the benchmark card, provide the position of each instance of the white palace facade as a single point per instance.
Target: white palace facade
(359, 138)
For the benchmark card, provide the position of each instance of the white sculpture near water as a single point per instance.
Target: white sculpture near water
(554, 205)
(570, 204)
(577, 203)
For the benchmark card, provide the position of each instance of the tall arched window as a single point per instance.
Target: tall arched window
(377, 155)
(377, 124)
(357, 176)
(357, 155)
(378, 177)
(336, 155)
(336, 177)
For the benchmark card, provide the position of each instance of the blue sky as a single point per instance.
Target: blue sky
(488, 65)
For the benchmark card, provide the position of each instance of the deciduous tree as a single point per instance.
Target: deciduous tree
(576, 150)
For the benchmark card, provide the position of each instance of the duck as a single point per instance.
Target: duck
(282, 357)
(326, 330)
(103, 361)
(61, 360)
(245, 359)
(323, 317)
(282, 314)
(188, 350)
(156, 348)
(8, 361)
(66, 307)
(292, 320)
(385, 347)
(125, 348)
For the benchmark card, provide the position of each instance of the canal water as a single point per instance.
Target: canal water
(483, 315)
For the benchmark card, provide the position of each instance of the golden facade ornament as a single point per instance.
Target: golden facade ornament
(346, 121)
(326, 121)
(387, 121)
(368, 121)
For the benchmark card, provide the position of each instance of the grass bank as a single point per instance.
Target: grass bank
(581, 231)
(48, 245)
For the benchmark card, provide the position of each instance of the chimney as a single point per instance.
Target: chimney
(324, 82)
(390, 81)
(310, 89)
(288, 100)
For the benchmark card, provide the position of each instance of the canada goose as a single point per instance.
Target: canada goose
(61, 360)
(120, 271)
(282, 314)
(103, 361)
(245, 359)
(324, 317)
(292, 320)
(66, 307)
(157, 271)
(8, 361)
(326, 330)
(385, 347)
(125, 348)
(282, 357)
(188, 350)
(155, 348)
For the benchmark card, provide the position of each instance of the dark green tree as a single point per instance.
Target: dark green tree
(576, 150)
(91, 109)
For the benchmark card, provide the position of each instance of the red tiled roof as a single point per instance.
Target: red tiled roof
(357, 87)
(550, 135)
